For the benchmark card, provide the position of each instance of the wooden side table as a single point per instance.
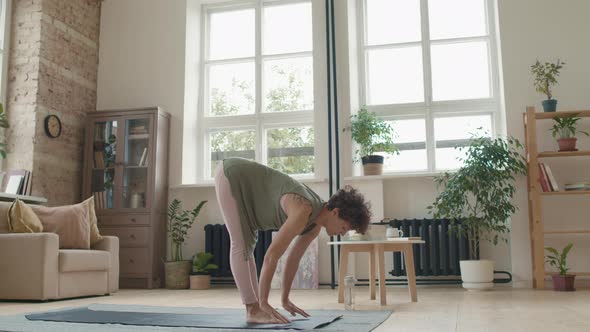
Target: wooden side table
(377, 249)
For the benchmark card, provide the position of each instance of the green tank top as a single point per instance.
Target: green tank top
(257, 190)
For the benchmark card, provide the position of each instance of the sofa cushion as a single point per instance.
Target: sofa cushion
(69, 222)
(22, 219)
(4, 206)
(95, 236)
(72, 260)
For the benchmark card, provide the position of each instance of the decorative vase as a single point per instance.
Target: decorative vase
(200, 281)
(372, 165)
(477, 274)
(567, 144)
(177, 274)
(549, 105)
(563, 283)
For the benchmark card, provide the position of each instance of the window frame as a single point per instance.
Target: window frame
(430, 109)
(260, 121)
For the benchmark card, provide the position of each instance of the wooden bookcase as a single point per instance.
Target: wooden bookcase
(537, 231)
(126, 170)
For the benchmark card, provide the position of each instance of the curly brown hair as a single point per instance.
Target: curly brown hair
(352, 207)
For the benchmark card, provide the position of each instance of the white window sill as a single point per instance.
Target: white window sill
(211, 183)
(389, 176)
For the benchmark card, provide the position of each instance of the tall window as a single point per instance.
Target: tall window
(429, 68)
(257, 85)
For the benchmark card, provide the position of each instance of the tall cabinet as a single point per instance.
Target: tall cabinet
(126, 170)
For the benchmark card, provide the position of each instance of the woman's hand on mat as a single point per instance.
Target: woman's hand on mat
(264, 306)
(293, 309)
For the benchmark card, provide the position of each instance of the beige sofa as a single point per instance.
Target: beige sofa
(32, 267)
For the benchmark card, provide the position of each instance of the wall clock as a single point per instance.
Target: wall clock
(52, 126)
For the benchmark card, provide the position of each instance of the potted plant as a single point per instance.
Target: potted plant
(200, 277)
(561, 281)
(546, 76)
(565, 128)
(3, 124)
(477, 199)
(372, 135)
(179, 222)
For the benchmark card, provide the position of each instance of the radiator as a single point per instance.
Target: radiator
(441, 253)
(217, 243)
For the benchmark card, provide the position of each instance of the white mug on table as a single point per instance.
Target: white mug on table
(394, 232)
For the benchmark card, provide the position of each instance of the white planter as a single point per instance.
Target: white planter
(477, 275)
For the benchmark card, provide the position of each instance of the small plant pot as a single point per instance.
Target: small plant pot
(567, 144)
(477, 275)
(372, 165)
(563, 283)
(200, 281)
(177, 274)
(549, 105)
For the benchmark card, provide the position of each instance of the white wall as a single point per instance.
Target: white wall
(142, 62)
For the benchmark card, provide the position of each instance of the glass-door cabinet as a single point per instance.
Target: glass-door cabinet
(126, 171)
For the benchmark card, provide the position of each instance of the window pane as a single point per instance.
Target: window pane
(450, 129)
(393, 21)
(395, 76)
(456, 18)
(291, 150)
(288, 84)
(287, 28)
(231, 89)
(224, 144)
(460, 71)
(231, 34)
(411, 139)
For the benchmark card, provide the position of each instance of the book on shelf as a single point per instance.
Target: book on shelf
(98, 159)
(546, 178)
(143, 158)
(577, 186)
(551, 178)
(543, 179)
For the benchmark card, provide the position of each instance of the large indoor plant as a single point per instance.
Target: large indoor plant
(201, 277)
(546, 76)
(561, 281)
(477, 199)
(372, 135)
(564, 129)
(179, 222)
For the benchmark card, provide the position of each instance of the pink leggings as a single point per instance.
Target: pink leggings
(244, 271)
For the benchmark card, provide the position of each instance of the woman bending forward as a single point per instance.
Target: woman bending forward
(254, 197)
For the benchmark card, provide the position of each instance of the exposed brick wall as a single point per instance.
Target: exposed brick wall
(52, 70)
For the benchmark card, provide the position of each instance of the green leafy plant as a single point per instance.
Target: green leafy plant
(201, 263)
(477, 198)
(546, 76)
(3, 124)
(179, 222)
(559, 259)
(565, 127)
(372, 134)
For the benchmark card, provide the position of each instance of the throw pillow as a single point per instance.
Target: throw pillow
(94, 233)
(69, 222)
(22, 219)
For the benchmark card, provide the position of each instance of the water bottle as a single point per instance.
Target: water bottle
(349, 282)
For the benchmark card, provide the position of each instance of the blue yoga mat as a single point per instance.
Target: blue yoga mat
(207, 318)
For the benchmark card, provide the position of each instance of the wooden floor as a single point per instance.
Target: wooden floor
(438, 308)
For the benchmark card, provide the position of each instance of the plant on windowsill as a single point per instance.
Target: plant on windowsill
(477, 200)
(565, 129)
(179, 222)
(561, 281)
(201, 277)
(3, 124)
(546, 76)
(372, 135)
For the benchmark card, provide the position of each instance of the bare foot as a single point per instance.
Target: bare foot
(257, 316)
